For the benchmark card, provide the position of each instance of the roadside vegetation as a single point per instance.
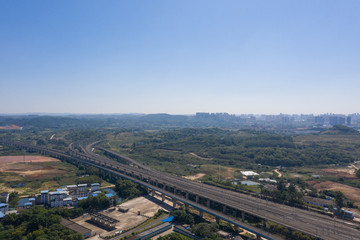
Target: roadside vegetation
(38, 223)
(298, 164)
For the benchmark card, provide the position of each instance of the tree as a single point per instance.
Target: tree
(174, 236)
(339, 199)
(182, 216)
(358, 173)
(205, 229)
(128, 189)
(13, 199)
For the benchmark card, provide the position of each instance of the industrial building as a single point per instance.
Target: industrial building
(104, 221)
(76, 227)
(152, 232)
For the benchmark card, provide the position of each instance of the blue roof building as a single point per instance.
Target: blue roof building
(21, 202)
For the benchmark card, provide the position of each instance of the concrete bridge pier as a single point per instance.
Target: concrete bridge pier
(289, 232)
(208, 203)
(243, 216)
(162, 197)
(201, 213)
(153, 192)
(186, 207)
(174, 203)
(224, 209)
(197, 198)
(217, 220)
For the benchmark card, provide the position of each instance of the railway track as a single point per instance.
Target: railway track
(314, 224)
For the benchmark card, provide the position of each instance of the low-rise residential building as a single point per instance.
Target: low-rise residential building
(24, 203)
(82, 190)
(318, 201)
(68, 196)
(68, 202)
(4, 197)
(44, 197)
(56, 199)
(95, 187)
(4, 208)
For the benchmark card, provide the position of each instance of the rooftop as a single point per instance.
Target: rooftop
(249, 173)
(75, 227)
(21, 202)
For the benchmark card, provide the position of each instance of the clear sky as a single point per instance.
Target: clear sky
(180, 56)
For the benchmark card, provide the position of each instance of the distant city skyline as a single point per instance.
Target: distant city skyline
(179, 57)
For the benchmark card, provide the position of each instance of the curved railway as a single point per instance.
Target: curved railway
(320, 226)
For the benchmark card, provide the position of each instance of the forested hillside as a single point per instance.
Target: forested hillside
(234, 148)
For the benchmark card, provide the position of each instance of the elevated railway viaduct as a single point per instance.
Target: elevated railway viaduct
(222, 204)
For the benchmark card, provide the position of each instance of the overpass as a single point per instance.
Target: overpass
(221, 203)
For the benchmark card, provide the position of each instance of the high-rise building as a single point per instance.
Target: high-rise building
(348, 120)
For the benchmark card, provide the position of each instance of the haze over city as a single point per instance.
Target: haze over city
(179, 57)
(179, 120)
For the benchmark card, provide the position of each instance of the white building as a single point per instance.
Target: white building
(56, 199)
(82, 190)
(68, 201)
(95, 187)
(249, 173)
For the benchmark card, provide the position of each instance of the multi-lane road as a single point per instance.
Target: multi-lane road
(318, 225)
(305, 221)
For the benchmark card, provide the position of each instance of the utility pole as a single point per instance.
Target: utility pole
(219, 172)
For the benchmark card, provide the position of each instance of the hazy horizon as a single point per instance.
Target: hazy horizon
(174, 114)
(179, 57)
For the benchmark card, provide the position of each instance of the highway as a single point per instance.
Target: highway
(314, 224)
(305, 221)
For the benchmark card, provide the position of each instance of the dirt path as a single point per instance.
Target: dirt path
(354, 166)
(196, 176)
(278, 173)
(208, 159)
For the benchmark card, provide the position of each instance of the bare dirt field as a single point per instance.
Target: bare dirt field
(145, 205)
(339, 172)
(351, 193)
(28, 166)
(17, 159)
(196, 176)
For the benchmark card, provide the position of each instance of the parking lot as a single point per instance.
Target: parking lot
(147, 207)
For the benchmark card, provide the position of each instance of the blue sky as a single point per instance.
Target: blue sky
(180, 57)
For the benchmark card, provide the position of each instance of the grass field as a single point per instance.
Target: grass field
(37, 172)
